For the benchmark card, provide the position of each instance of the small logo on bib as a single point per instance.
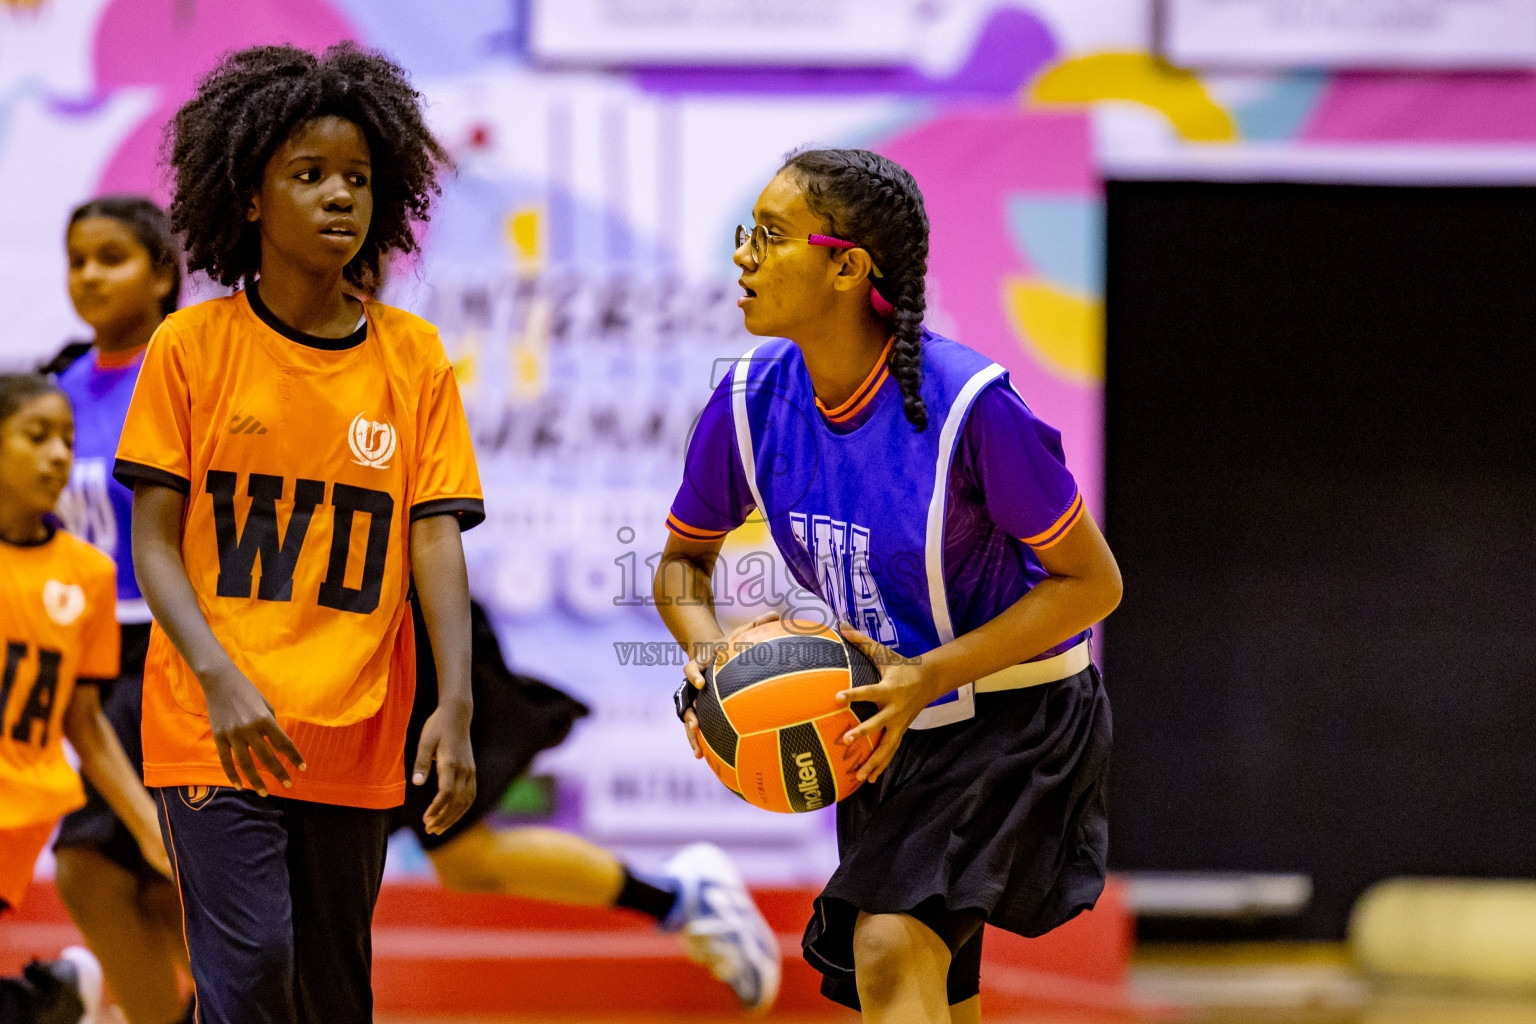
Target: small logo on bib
(64, 602)
(373, 444)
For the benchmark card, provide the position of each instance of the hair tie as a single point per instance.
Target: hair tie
(880, 302)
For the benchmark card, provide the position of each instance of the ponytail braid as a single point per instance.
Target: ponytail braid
(906, 360)
(872, 200)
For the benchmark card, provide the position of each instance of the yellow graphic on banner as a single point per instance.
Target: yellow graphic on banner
(465, 367)
(1064, 331)
(525, 234)
(751, 534)
(1139, 78)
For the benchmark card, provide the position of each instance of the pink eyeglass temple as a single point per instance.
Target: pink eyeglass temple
(875, 298)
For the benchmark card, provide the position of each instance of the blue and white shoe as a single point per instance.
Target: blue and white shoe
(722, 927)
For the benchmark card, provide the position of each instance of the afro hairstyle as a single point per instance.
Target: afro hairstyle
(220, 141)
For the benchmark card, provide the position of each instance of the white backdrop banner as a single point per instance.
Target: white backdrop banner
(579, 262)
(1351, 33)
(724, 32)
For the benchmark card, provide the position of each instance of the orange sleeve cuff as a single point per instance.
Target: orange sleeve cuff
(1058, 529)
(687, 532)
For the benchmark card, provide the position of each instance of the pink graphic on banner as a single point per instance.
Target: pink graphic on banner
(171, 44)
(1427, 108)
(969, 165)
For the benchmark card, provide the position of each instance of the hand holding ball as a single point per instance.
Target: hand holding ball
(770, 721)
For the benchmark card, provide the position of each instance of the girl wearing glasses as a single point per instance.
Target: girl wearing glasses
(908, 486)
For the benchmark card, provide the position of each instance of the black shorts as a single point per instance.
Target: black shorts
(998, 819)
(516, 716)
(96, 825)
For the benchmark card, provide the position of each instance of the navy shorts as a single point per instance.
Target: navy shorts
(277, 899)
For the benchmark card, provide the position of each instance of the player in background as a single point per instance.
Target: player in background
(517, 716)
(60, 634)
(909, 487)
(300, 459)
(124, 278)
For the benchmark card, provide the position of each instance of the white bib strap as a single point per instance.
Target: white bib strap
(1015, 677)
(1037, 673)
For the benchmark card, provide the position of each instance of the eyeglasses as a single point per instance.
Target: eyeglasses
(759, 239)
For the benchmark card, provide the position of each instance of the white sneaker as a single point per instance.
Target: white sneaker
(722, 927)
(68, 985)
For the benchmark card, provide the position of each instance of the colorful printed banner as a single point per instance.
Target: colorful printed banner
(579, 269)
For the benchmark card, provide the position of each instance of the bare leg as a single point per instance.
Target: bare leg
(901, 968)
(134, 928)
(536, 863)
(968, 1012)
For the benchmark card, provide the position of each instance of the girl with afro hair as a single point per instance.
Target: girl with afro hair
(299, 457)
(909, 487)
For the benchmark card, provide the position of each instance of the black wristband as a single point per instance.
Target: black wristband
(683, 699)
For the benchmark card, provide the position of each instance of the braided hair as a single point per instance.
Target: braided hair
(219, 143)
(150, 227)
(872, 200)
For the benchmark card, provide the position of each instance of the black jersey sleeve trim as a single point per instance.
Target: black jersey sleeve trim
(470, 511)
(128, 473)
(101, 681)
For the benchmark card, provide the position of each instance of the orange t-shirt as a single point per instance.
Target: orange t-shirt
(58, 622)
(304, 462)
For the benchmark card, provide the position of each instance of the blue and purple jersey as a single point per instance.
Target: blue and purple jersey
(95, 507)
(914, 538)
